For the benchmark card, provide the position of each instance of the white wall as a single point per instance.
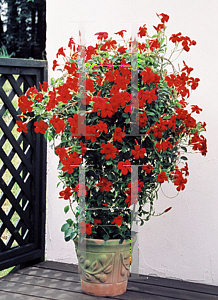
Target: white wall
(183, 243)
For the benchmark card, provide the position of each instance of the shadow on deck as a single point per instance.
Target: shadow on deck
(53, 280)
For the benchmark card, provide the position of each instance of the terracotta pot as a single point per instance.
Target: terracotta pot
(104, 267)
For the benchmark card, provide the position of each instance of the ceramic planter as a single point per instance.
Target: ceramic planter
(104, 267)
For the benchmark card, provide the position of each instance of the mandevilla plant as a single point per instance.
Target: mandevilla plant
(116, 106)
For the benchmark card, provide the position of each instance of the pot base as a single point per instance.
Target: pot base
(104, 289)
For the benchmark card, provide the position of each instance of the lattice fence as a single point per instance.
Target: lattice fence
(22, 168)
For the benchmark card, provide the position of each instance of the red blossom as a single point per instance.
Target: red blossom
(25, 104)
(109, 150)
(21, 126)
(154, 44)
(159, 27)
(148, 168)
(85, 228)
(70, 162)
(124, 166)
(118, 135)
(196, 109)
(44, 86)
(55, 64)
(101, 35)
(102, 127)
(60, 52)
(104, 184)
(163, 17)
(61, 152)
(80, 189)
(83, 148)
(179, 181)
(121, 49)
(150, 96)
(117, 220)
(96, 222)
(65, 194)
(40, 127)
(147, 75)
(142, 31)
(162, 177)
(138, 152)
(57, 123)
(121, 33)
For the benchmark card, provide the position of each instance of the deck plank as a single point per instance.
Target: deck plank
(53, 281)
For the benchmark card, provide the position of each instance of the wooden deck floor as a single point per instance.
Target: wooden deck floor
(53, 280)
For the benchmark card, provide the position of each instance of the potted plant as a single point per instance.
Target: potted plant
(121, 125)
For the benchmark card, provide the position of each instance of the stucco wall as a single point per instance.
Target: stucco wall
(183, 243)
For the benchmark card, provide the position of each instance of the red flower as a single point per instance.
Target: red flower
(121, 49)
(65, 194)
(96, 222)
(159, 27)
(89, 84)
(187, 69)
(179, 181)
(61, 152)
(80, 189)
(138, 152)
(25, 104)
(70, 162)
(52, 100)
(142, 31)
(102, 35)
(148, 168)
(109, 150)
(142, 119)
(83, 148)
(60, 52)
(57, 123)
(175, 37)
(118, 135)
(150, 96)
(40, 127)
(164, 18)
(117, 220)
(162, 177)
(21, 126)
(120, 32)
(147, 75)
(102, 127)
(154, 44)
(64, 92)
(196, 109)
(55, 64)
(85, 227)
(124, 166)
(104, 184)
(44, 86)
(164, 145)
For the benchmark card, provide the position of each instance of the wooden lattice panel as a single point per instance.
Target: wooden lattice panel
(22, 168)
(15, 168)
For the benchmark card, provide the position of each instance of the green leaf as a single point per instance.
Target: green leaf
(64, 227)
(73, 235)
(69, 222)
(66, 209)
(106, 237)
(184, 158)
(109, 162)
(184, 149)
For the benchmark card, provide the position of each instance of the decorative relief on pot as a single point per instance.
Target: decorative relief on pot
(124, 264)
(96, 267)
